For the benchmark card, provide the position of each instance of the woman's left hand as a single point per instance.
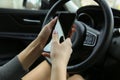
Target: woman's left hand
(45, 32)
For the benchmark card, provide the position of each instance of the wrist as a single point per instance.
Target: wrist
(58, 72)
(59, 67)
(58, 64)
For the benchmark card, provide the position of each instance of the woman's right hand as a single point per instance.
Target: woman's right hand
(60, 52)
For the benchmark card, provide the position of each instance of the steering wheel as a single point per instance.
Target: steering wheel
(98, 40)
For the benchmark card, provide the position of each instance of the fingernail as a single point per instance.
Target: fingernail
(55, 18)
(55, 32)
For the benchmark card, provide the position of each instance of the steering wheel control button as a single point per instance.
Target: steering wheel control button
(90, 39)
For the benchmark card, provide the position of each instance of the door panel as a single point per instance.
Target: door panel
(17, 29)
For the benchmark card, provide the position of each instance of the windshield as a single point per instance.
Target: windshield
(46, 4)
(113, 3)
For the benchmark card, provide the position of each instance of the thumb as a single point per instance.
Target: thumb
(55, 36)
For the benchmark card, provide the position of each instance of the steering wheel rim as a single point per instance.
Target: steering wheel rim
(103, 40)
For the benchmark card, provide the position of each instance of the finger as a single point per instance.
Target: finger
(48, 27)
(46, 54)
(71, 32)
(46, 31)
(55, 36)
(73, 28)
(51, 24)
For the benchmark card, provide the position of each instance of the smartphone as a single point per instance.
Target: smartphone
(62, 26)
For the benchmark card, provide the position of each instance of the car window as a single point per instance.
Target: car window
(46, 4)
(25, 4)
(113, 3)
(11, 4)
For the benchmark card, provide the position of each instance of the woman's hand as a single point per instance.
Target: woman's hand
(60, 52)
(45, 32)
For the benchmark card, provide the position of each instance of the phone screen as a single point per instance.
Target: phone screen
(63, 26)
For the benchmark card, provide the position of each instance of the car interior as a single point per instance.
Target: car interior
(96, 42)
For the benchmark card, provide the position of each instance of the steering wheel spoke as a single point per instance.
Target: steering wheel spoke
(91, 37)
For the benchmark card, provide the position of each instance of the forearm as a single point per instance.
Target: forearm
(58, 72)
(12, 70)
(30, 54)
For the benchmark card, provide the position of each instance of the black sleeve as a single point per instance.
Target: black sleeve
(12, 70)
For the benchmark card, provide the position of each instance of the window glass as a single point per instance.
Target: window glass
(25, 4)
(16, 4)
(45, 4)
(113, 3)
